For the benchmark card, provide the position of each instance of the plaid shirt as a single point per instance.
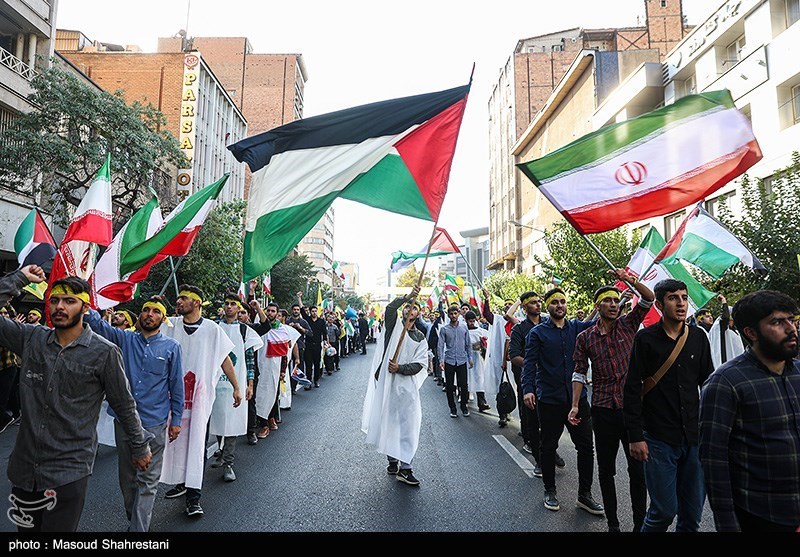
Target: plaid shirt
(610, 352)
(750, 441)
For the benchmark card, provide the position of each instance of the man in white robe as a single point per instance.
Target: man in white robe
(273, 361)
(205, 348)
(392, 414)
(227, 422)
(286, 385)
(479, 339)
(725, 342)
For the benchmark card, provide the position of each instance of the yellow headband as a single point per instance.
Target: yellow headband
(36, 311)
(157, 305)
(527, 300)
(192, 295)
(128, 317)
(237, 301)
(554, 296)
(610, 293)
(64, 290)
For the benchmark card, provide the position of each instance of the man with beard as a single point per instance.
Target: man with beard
(455, 352)
(205, 349)
(750, 425)
(122, 319)
(153, 364)
(669, 363)
(66, 373)
(34, 317)
(547, 387)
(296, 321)
(608, 346)
(315, 337)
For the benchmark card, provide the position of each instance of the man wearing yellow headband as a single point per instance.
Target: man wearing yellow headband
(67, 372)
(205, 349)
(153, 364)
(122, 319)
(608, 346)
(34, 317)
(547, 387)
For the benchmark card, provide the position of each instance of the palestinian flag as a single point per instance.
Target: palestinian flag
(393, 155)
(441, 244)
(555, 279)
(706, 243)
(648, 166)
(33, 241)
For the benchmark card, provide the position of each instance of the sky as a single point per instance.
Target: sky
(357, 52)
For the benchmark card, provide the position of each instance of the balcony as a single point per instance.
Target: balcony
(16, 65)
(15, 75)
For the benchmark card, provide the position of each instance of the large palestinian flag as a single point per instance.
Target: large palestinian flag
(648, 166)
(393, 155)
(33, 241)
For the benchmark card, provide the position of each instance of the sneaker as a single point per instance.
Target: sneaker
(251, 438)
(501, 423)
(337, 369)
(263, 432)
(194, 509)
(551, 501)
(229, 475)
(272, 424)
(537, 471)
(560, 461)
(177, 491)
(465, 412)
(453, 414)
(484, 408)
(218, 462)
(444, 388)
(5, 421)
(407, 477)
(392, 469)
(316, 384)
(587, 503)
(18, 420)
(527, 448)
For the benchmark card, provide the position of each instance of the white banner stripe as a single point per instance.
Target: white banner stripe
(721, 238)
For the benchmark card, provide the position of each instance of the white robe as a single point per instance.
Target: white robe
(392, 414)
(285, 400)
(493, 373)
(733, 344)
(203, 354)
(476, 373)
(276, 347)
(226, 420)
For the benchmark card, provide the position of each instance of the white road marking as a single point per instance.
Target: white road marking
(525, 464)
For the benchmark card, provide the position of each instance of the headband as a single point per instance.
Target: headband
(509, 302)
(127, 315)
(157, 305)
(554, 296)
(235, 300)
(36, 311)
(64, 290)
(192, 295)
(527, 300)
(607, 293)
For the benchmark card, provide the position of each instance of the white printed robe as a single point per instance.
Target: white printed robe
(285, 400)
(272, 358)
(475, 375)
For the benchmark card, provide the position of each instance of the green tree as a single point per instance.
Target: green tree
(582, 270)
(410, 277)
(67, 138)
(293, 274)
(508, 285)
(768, 226)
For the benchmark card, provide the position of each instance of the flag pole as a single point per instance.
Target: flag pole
(474, 274)
(172, 276)
(603, 257)
(419, 284)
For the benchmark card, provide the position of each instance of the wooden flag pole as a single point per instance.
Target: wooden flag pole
(603, 257)
(419, 284)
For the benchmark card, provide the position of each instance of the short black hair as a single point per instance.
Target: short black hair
(283, 312)
(552, 291)
(465, 304)
(470, 315)
(295, 305)
(273, 304)
(701, 312)
(605, 289)
(193, 289)
(755, 306)
(76, 284)
(525, 295)
(663, 287)
(452, 308)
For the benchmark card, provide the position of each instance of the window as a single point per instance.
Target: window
(789, 102)
(768, 184)
(734, 52)
(663, 3)
(713, 205)
(691, 84)
(796, 103)
(672, 223)
(792, 12)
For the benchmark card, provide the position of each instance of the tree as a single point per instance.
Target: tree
(767, 225)
(67, 138)
(410, 277)
(582, 270)
(508, 285)
(293, 274)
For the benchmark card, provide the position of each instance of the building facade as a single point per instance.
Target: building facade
(351, 276)
(476, 251)
(317, 245)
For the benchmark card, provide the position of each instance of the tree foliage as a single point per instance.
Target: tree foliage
(410, 277)
(582, 270)
(768, 226)
(67, 138)
(293, 274)
(508, 285)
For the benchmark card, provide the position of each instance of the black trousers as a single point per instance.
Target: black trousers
(312, 357)
(609, 433)
(343, 346)
(437, 371)
(528, 419)
(459, 373)
(9, 403)
(59, 512)
(751, 523)
(363, 343)
(552, 419)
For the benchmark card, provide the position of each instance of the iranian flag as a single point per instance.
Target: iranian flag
(146, 240)
(453, 283)
(266, 284)
(337, 270)
(648, 166)
(393, 155)
(33, 242)
(433, 299)
(440, 244)
(706, 243)
(643, 260)
(472, 297)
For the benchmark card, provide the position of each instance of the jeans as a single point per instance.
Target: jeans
(459, 373)
(63, 516)
(674, 479)
(313, 356)
(139, 487)
(553, 418)
(609, 433)
(528, 419)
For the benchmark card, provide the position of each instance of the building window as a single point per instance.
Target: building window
(796, 103)
(691, 84)
(734, 52)
(789, 103)
(663, 3)
(672, 223)
(767, 182)
(713, 205)
(792, 12)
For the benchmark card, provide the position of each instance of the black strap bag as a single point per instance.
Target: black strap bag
(506, 397)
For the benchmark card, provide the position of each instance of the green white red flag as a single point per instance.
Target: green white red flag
(440, 244)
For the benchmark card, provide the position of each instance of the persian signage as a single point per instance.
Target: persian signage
(191, 88)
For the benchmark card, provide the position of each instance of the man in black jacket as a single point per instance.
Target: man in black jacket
(314, 339)
(363, 329)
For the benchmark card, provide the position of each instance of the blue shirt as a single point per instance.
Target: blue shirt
(549, 365)
(154, 369)
(454, 346)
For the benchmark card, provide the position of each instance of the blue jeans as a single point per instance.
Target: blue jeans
(674, 480)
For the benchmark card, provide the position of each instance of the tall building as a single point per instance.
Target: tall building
(317, 245)
(27, 32)
(525, 90)
(199, 111)
(476, 251)
(351, 277)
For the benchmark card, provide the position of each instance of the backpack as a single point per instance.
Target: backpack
(506, 398)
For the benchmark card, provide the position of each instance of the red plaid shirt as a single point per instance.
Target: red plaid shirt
(610, 353)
